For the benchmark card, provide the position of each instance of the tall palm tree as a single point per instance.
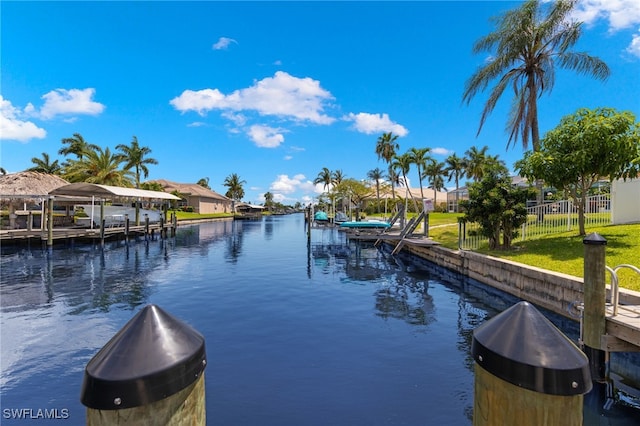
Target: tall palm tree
(420, 158)
(44, 165)
(394, 179)
(435, 172)
(101, 167)
(204, 182)
(268, 200)
(325, 177)
(134, 157)
(386, 147)
(76, 146)
(235, 185)
(474, 160)
(526, 46)
(403, 164)
(455, 168)
(376, 175)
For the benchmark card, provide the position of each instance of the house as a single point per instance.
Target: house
(202, 200)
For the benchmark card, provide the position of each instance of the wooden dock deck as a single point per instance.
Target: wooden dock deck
(59, 234)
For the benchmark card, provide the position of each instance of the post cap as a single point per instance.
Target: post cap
(594, 239)
(524, 348)
(152, 357)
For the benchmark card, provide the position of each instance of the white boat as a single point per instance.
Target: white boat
(114, 215)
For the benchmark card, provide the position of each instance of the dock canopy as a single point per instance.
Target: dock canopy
(92, 189)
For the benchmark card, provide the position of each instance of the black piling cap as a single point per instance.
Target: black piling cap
(524, 348)
(151, 358)
(594, 239)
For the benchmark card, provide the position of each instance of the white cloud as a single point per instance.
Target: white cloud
(441, 151)
(634, 47)
(620, 14)
(288, 185)
(375, 123)
(73, 101)
(283, 96)
(265, 136)
(12, 127)
(223, 43)
(288, 157)
(196, 124)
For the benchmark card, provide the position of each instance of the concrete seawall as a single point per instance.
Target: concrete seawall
(556, 292)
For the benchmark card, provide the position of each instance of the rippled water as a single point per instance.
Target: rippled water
(329, 332)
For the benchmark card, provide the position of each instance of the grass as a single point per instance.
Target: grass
(187, 216)
(563, 252)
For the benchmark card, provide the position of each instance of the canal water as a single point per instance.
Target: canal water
(326, 332)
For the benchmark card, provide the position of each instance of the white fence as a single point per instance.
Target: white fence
(545, 219)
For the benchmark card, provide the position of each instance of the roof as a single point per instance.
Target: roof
(92, 189)
(29, 184)
(191, 189)
(249, 206)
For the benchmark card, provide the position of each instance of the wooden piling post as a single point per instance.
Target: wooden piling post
(146, 225)
(593, 315)
(150, 372)
(50, 222)
(527, 372)
(126, 227)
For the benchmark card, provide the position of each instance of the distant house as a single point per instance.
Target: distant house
(202, 200)
(248, 211)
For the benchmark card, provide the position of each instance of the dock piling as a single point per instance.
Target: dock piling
(593, 316)
(150, 372)
(527, 372)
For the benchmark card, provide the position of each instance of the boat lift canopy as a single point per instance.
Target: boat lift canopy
(92, 189)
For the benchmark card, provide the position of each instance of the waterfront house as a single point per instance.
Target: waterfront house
(202, 200)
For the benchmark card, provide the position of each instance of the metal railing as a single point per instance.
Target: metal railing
(546, 219)
(615, 287)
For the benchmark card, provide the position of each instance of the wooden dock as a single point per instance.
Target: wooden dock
(8, 236)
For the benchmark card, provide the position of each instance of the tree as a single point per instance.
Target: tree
(44, 165)
(435, 172)
(586, 146)
(455, 168)
(268, 200)
(403, 164)
(204, 182)
(235, 187)
(152, 186)
(386, 147)
(420, 158)
(101, 167)
(376, 175)
(76, 146)
(525, 47)
(325, 177)
(475, 160)
(355, 191)
(394, 179)
(497, 206)
(337, 177)
(134, 157)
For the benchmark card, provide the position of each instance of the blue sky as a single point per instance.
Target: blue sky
(276, 91)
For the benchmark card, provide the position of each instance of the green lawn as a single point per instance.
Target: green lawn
(186, 216)
(564, 252)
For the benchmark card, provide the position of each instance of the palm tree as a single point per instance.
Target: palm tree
(420, 158)
(101, 167)
(528, 44)
(44, 165)
(394, 178)
(455, 168)
(376, 175)
(325, 177)
(475, 160)
(204, 182)
(337, 177)
(235, 185)
(134, 157)
(403, 164)
(386, 147)
(435, 172)
(77, 146)
(268, 200)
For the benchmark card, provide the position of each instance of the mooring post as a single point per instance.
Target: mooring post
(527, 372)
(146, 225)
(593, 315)
(126, 227)
(150, 372)
(50, 222)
